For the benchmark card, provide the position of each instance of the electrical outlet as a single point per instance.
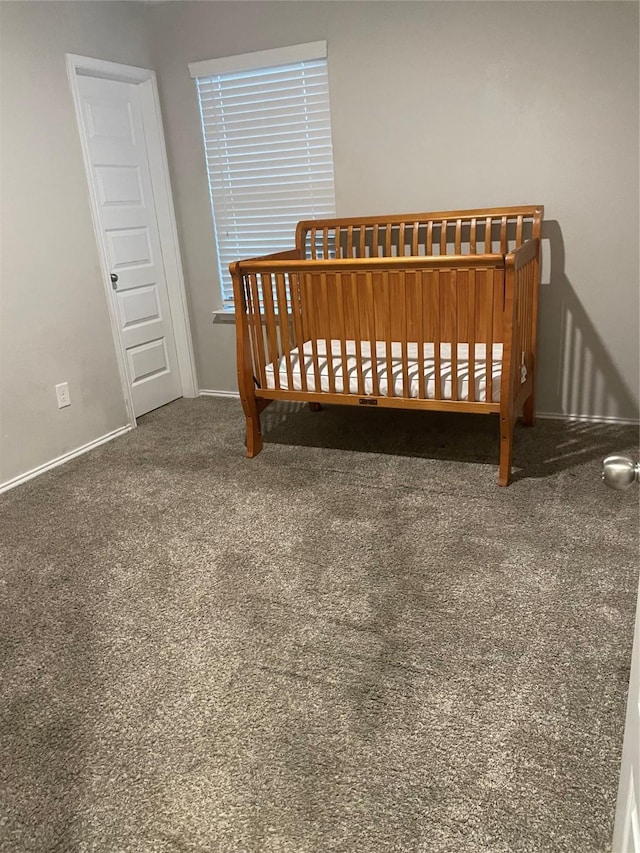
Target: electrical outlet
(62, 393)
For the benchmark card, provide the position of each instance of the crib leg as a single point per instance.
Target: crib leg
(254, 431)
(528, 412)
(315, 407)
(254, 437)
(506, 450)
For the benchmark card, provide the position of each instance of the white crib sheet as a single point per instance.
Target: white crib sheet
(480, 369)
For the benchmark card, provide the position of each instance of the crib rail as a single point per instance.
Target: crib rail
(463, 232)
(414, 326)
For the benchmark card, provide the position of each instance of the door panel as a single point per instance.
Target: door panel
(119, 185)
(114, 131)
(148, 359)
(130, 249)
(138, 305)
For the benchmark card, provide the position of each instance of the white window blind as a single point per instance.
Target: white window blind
(267, 139)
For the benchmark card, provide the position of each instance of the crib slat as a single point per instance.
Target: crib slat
(325, 243)
(342, 330)
(387, 241)
(363, 245)
(528, 318)
(250, 313)
(257, 339)
(338, 239)
(529, 294)
(521, 291)
(453, 290)
(326, 326)
(371, 323)
(296, 330)
(283, 323)
(487, 236)
(259, 328)
(472, 237)
(406, 389)
(401, 240)
(471, 337)
(414, 240)
(312, 244)
(270, 322)
(311, 304)
(524, 357)
(375, 239)
(420, 335)
(297, 326)
(358, 333)
(387, 334)
(443, 237)
(437, 336)
(516, 349)
(350, 241)
(489, 344)
(503, 235)
(429, 246)
(458, 242)
(518, 232)
(526, 324)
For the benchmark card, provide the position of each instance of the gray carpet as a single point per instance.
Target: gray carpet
(355, 642)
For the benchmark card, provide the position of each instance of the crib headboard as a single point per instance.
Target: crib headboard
(459, 232)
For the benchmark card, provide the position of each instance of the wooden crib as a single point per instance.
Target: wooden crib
(421, 311)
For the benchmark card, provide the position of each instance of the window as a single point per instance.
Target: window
(267, 138)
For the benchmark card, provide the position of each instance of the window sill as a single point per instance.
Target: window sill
(224, 315)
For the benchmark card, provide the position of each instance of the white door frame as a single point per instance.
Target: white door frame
(626, 833)
(145, 79)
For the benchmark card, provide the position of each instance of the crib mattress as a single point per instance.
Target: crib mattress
(347, 374)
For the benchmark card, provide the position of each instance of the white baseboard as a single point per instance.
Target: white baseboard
(205, 392)
(589, 419)
(66, 457)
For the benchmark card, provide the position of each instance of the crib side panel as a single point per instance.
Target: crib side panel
(522, 277)
(347, 329)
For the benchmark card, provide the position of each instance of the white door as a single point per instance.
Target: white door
(121, 183)
(626, 837)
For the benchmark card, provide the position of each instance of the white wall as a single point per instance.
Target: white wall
(53, 311)
(451, 105)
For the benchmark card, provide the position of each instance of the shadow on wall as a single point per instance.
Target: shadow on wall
(570, 349)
